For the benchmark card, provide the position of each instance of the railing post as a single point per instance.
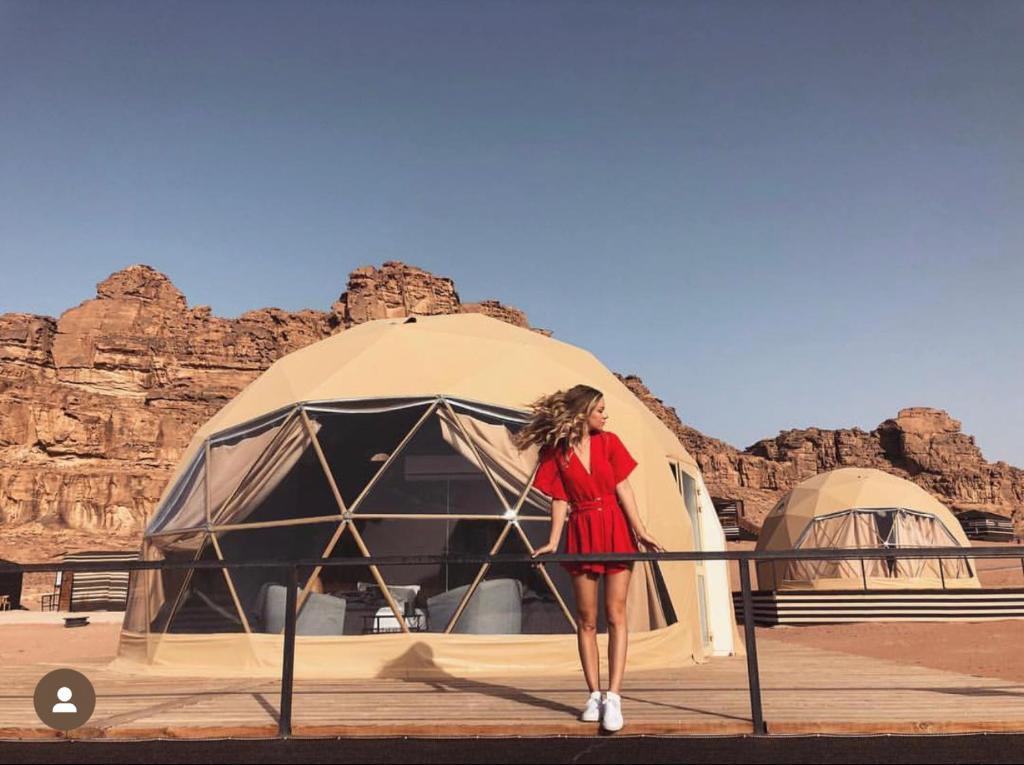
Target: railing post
(284, 726)
(753, 675)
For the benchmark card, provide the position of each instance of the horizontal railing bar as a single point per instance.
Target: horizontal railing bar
(390, 560)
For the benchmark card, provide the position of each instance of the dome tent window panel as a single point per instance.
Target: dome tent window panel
(537, 503)
(539, 532)
(292, 542)
(874, 528)
(205, 603)
(235, 452)
(524, 508)
(185, 507)
(149, 590)
(515, 598)
(159, 590)
(412, 585)
(357, 443)
(838, 530)
(925, 530)
(239, 488)
(301, 495)
(430, 476)
(485, 439)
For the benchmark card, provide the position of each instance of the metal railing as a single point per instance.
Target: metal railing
(743, 557)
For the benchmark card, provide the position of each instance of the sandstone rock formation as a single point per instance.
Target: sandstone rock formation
(921, 444)
(97, 405)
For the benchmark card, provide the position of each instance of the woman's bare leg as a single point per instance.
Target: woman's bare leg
(585, 590)
(616, 585)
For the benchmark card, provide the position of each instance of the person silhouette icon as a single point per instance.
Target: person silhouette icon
(59, 685)
(64, 706)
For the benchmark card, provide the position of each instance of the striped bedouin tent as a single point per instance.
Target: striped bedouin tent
(979, 524)
(94, 590)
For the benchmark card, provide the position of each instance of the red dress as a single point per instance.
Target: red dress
(597, 523)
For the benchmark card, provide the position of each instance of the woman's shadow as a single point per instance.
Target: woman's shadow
(417, 665)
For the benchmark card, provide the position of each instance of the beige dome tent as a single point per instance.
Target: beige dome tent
(861, 508)
(393, 438)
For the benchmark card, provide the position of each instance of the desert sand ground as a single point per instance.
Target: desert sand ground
(31, 643)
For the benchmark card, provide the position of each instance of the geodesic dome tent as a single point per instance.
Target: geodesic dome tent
(393, 438)
(862, 508)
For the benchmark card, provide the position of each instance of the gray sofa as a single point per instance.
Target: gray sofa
(495, 608)
(319, 615)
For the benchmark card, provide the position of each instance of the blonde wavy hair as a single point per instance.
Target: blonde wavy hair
(559, 419)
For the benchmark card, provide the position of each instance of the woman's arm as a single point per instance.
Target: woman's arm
(625, 494)
(558, 512)
(559, 508)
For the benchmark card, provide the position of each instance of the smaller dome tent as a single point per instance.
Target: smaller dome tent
(862, 508)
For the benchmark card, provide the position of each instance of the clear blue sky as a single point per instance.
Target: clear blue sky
(779, 214)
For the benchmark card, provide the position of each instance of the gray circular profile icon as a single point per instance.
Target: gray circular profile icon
(64, 699)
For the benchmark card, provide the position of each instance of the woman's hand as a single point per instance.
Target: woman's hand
(545, 548)
(645, 540)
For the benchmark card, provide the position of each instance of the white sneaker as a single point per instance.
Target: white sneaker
(592, 711)
(611, 717)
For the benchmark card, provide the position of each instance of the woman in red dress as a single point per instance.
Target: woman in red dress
(584, 468)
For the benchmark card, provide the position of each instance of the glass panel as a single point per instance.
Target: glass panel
(356, 445)
(919, 530)
(205, 602)
(430, 476)
(159, 589)
(842, 530)
(413, 585)
(288, 455)
(233, 459)
(303, 492)
(526, 509)
(261, 604)
(542, 612)
(495, 434)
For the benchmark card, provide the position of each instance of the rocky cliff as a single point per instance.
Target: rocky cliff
(921, 444)
(97, 405)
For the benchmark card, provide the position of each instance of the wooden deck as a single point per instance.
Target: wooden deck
(805, 690)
